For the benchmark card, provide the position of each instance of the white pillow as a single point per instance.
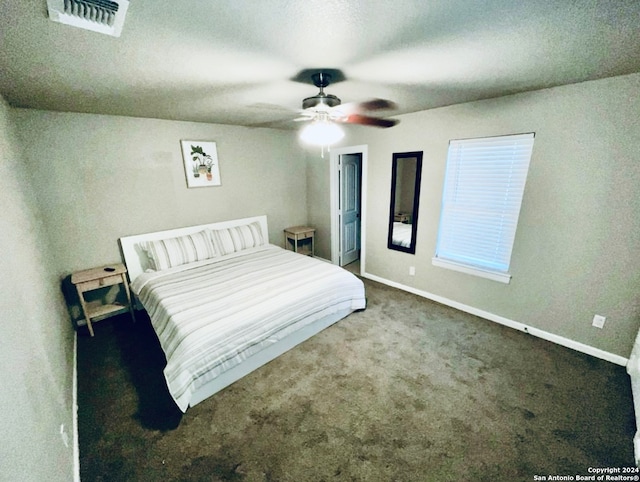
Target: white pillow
(230, 240)
(167, 253)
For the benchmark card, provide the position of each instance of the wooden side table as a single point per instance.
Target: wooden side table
(302, 238)
(101, 277)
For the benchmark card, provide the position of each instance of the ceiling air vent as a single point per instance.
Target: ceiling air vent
(103, 16)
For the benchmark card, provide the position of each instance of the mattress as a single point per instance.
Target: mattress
(212, 315)
(401, 235)
(633, 369)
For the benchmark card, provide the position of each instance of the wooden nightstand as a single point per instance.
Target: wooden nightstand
(302, 238)
(91, 279)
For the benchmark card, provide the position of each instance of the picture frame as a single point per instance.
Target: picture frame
(201, 165)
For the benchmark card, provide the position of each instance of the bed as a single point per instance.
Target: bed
(223, 301)
(401, 235)
(633, 369)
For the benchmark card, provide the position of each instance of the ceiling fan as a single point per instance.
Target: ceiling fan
(324, 107)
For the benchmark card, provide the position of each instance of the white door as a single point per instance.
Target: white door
(349, 172)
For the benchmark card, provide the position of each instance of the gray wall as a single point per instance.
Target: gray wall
(577, 249)
(98, 178)
(70, 186)
(36, 338)
(319, 210)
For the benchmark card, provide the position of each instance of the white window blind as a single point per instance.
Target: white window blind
(483, 188)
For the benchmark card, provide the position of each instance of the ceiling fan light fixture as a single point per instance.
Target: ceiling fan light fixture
(321, 133)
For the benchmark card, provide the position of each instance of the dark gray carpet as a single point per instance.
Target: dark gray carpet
(407, 390)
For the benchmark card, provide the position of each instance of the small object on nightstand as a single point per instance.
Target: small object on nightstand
(401, 218)
(302, 239)
(91, 279)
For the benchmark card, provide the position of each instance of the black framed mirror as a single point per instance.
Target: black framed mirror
(405, 198)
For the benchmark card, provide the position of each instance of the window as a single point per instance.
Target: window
(483, 188)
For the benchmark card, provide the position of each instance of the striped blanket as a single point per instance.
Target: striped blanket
(211, 315)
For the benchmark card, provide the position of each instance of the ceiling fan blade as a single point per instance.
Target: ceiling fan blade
(378, 104)
(369, 121)
(367, 106)
(264, 106)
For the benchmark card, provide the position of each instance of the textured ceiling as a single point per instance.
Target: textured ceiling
(236, 61)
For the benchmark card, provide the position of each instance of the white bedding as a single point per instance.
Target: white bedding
(401, 235)
(211, 315)
(633, 369)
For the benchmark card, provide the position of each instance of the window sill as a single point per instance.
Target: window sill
(492, 275)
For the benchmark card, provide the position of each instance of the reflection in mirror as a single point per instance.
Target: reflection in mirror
(405, 195)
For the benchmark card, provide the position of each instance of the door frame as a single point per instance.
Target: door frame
(334, 179)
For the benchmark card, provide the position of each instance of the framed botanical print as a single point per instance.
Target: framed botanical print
(201, 166)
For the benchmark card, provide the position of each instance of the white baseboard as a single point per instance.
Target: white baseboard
(545, 335)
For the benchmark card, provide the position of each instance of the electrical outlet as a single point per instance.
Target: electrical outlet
(598, 321)
(412, 270)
